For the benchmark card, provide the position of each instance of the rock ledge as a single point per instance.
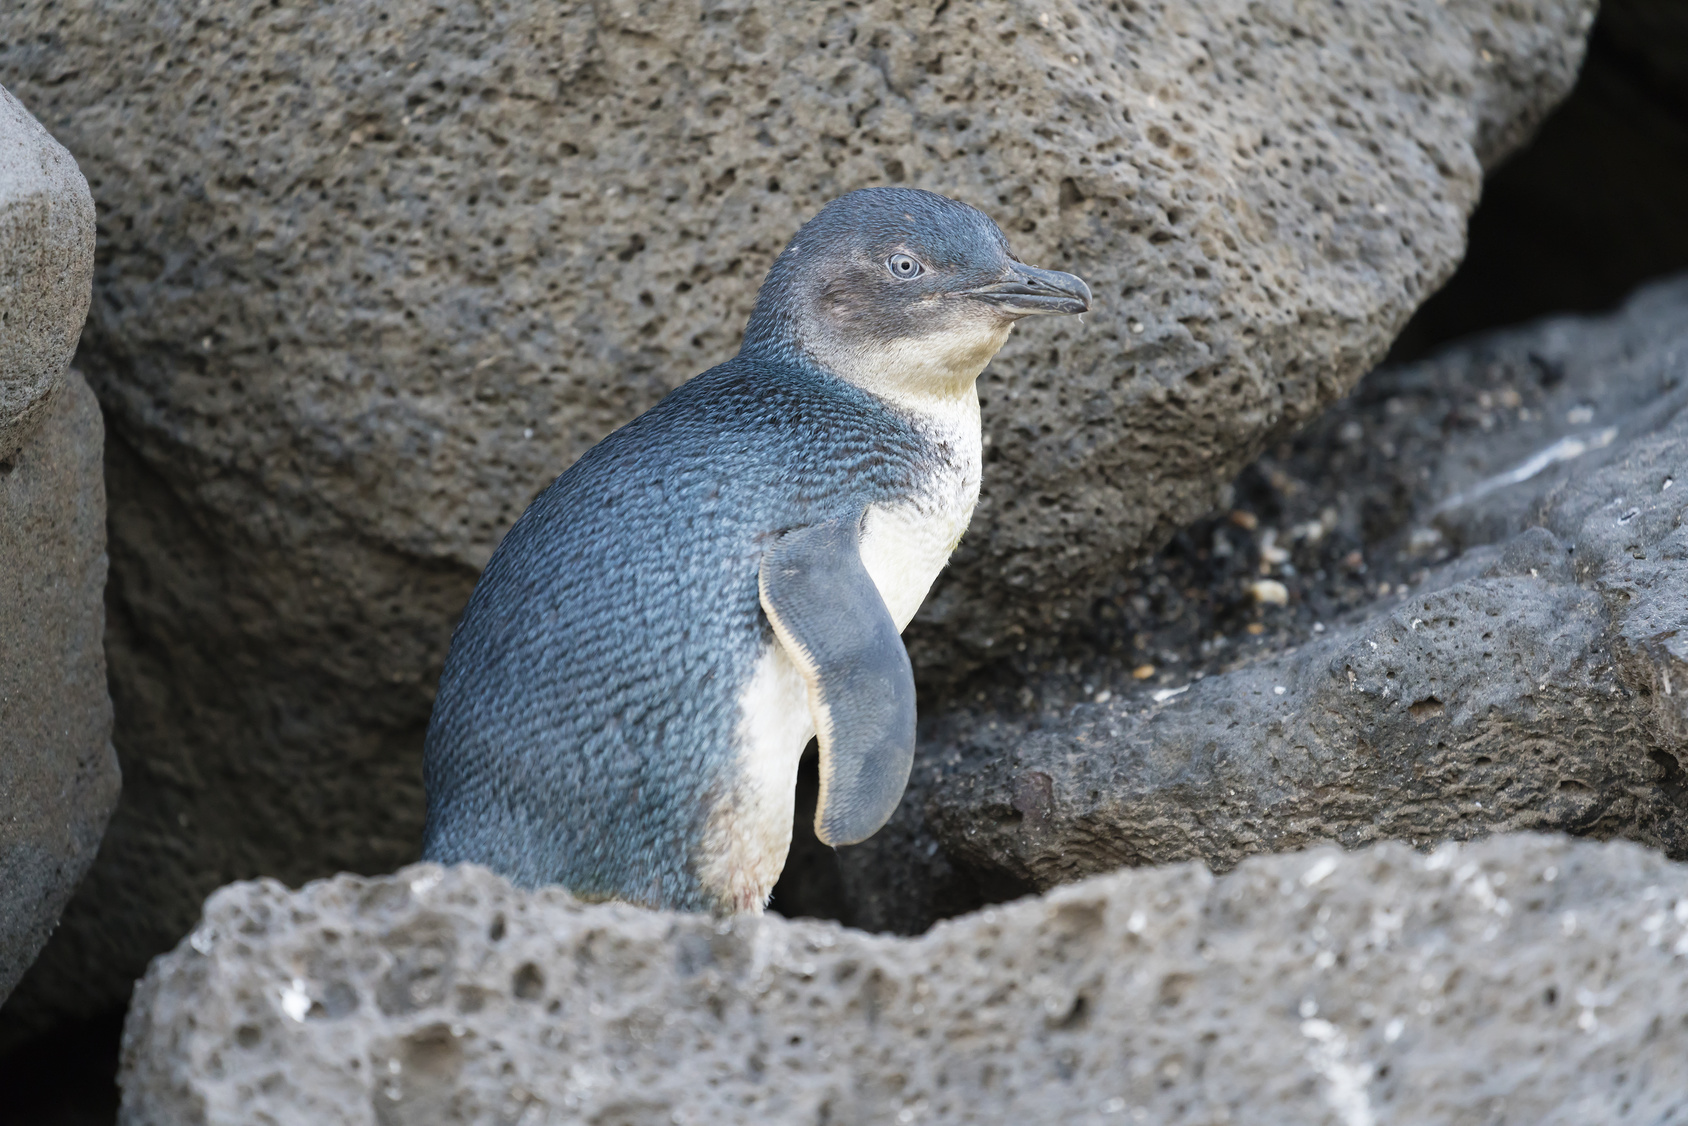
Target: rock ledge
(1533, 975)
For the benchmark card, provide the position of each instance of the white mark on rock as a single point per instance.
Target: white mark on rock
(1443, 857)
(426, 883)
(1590, 1001)
(203, 939)
(1385, 923)
(912, 1111)
(1162, 695)
(1392, 1031)
(295, 1002)
(1345, 1082)
(1137, 922)
(1423, 539)
(1320, 868)
(1565, 449)
(1278, 690)
(1476, 882)
(1568, 923)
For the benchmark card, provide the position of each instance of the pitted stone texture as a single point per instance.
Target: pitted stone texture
(1536, 680)
(46, 268)
(58, 774)
(1526, 972)
(501, 236)
(375, 273)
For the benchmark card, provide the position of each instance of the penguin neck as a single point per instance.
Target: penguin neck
(932, 376)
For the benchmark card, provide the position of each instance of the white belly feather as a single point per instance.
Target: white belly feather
(904, 545)
(903, 548)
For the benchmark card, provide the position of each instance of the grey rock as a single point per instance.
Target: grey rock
(1529, 977)
(1536, 678)
(1269, 191)
(58, 773)
(375, 273)
(46, 268)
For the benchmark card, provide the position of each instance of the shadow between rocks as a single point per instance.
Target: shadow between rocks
(65, 1078)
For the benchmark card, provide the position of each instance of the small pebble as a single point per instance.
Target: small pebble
(1143, 672)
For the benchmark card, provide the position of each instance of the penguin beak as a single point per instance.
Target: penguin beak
(1028, 291)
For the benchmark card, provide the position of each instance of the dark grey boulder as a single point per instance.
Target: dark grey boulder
(1529, 977)
(1532, 674)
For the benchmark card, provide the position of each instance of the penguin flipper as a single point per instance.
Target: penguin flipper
(828, 615)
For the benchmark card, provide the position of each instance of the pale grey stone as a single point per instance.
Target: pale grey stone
(46, 268)
(1520, 979)
(58, 773)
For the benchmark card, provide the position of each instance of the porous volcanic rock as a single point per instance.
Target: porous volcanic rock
(497, 238)
(375, 272)
(1532, 673)
(58, 773)
(1530, 976)
(46, 268)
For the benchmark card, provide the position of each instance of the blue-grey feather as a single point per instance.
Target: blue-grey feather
(586, 720)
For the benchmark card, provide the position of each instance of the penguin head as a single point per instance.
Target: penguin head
(902, 292)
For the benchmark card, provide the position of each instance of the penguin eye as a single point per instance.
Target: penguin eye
(903, 267)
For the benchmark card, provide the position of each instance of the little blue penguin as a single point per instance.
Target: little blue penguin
(661, 633)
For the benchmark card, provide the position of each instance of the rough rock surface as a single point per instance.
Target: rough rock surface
(1521, 979)
(413, 313)
(46, 269)
(374, 273)
(1533, 674)
(58, 772)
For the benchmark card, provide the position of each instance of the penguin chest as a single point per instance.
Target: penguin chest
(905, 543)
